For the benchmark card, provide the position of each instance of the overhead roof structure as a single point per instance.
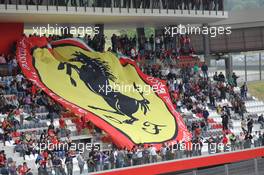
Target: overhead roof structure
(33, 14)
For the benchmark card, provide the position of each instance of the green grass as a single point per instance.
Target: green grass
(257, 89)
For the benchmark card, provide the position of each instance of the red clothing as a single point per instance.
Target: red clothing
(197, 131)
(187, 40)
(51, 132)
(225, 140)
(45, 155)
(33, 90)
(182, 41)
(15, 134)
(2, 160)
(54, 141)
(5, 124)
(84, 121)
(188, 146)
(43, 162)
(62, 123)
(23, 170)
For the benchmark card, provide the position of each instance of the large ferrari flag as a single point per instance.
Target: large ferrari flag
(113, 93)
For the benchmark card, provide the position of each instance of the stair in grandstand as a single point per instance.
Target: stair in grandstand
(254, 108)
(215, 120)
(9, 150)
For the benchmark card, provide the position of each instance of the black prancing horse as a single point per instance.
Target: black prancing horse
(96, 74)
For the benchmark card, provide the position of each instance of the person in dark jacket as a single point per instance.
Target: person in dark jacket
(250, 125)
(248, 138)
(221, 77)
(69, 164)
(205, 115)
(204, 69)
(235, 77)
(225, 119)
(261, 120)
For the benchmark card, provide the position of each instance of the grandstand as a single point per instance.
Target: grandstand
(49, 92)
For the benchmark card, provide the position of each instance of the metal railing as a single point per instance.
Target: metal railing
(169, 6)
(247, 66)
(252, 166)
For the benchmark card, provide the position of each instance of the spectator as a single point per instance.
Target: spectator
(241, 140)
(139, 154)
(13, 168)
(225, 119)
(2, 59)
(196, 69)
(57, 165)
(233, 140)
(256, 139)
(205, 115)
(24, 170)
(235, 77)
(247, 143)
(243, 91)
(153, 154)
(91, 161)
(204, 69)
(261, 121)
(225, 142)
(250, 125)
(221, 77)
(188, 148)
(81, 162)
(244, 125)
(215, 77)
(69, 164)
(211, 145)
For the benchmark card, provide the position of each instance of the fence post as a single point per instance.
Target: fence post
(27, 4)
(152, 5)
(256, 166)
(167, 5)
(37, 6)
(245, 59)
(112, 4)
(223, 10)
(260, 62)
(160, 4)
(226, 169)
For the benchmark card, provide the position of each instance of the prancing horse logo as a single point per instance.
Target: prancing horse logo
(95, 74)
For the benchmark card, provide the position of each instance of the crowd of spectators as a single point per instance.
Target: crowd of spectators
(190, 88)
(146, 4)
(10, 62)
(162, 47)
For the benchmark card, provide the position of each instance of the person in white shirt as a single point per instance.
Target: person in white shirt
(153, 154)
(139, 156)
(19, 77)
(133, 53)
(241, 140)
(256, 139)
(81, 162)
(163, 151)
(157, 42)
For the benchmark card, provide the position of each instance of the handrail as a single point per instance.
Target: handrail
(103, 8)
(189, 163)
(136, 5)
